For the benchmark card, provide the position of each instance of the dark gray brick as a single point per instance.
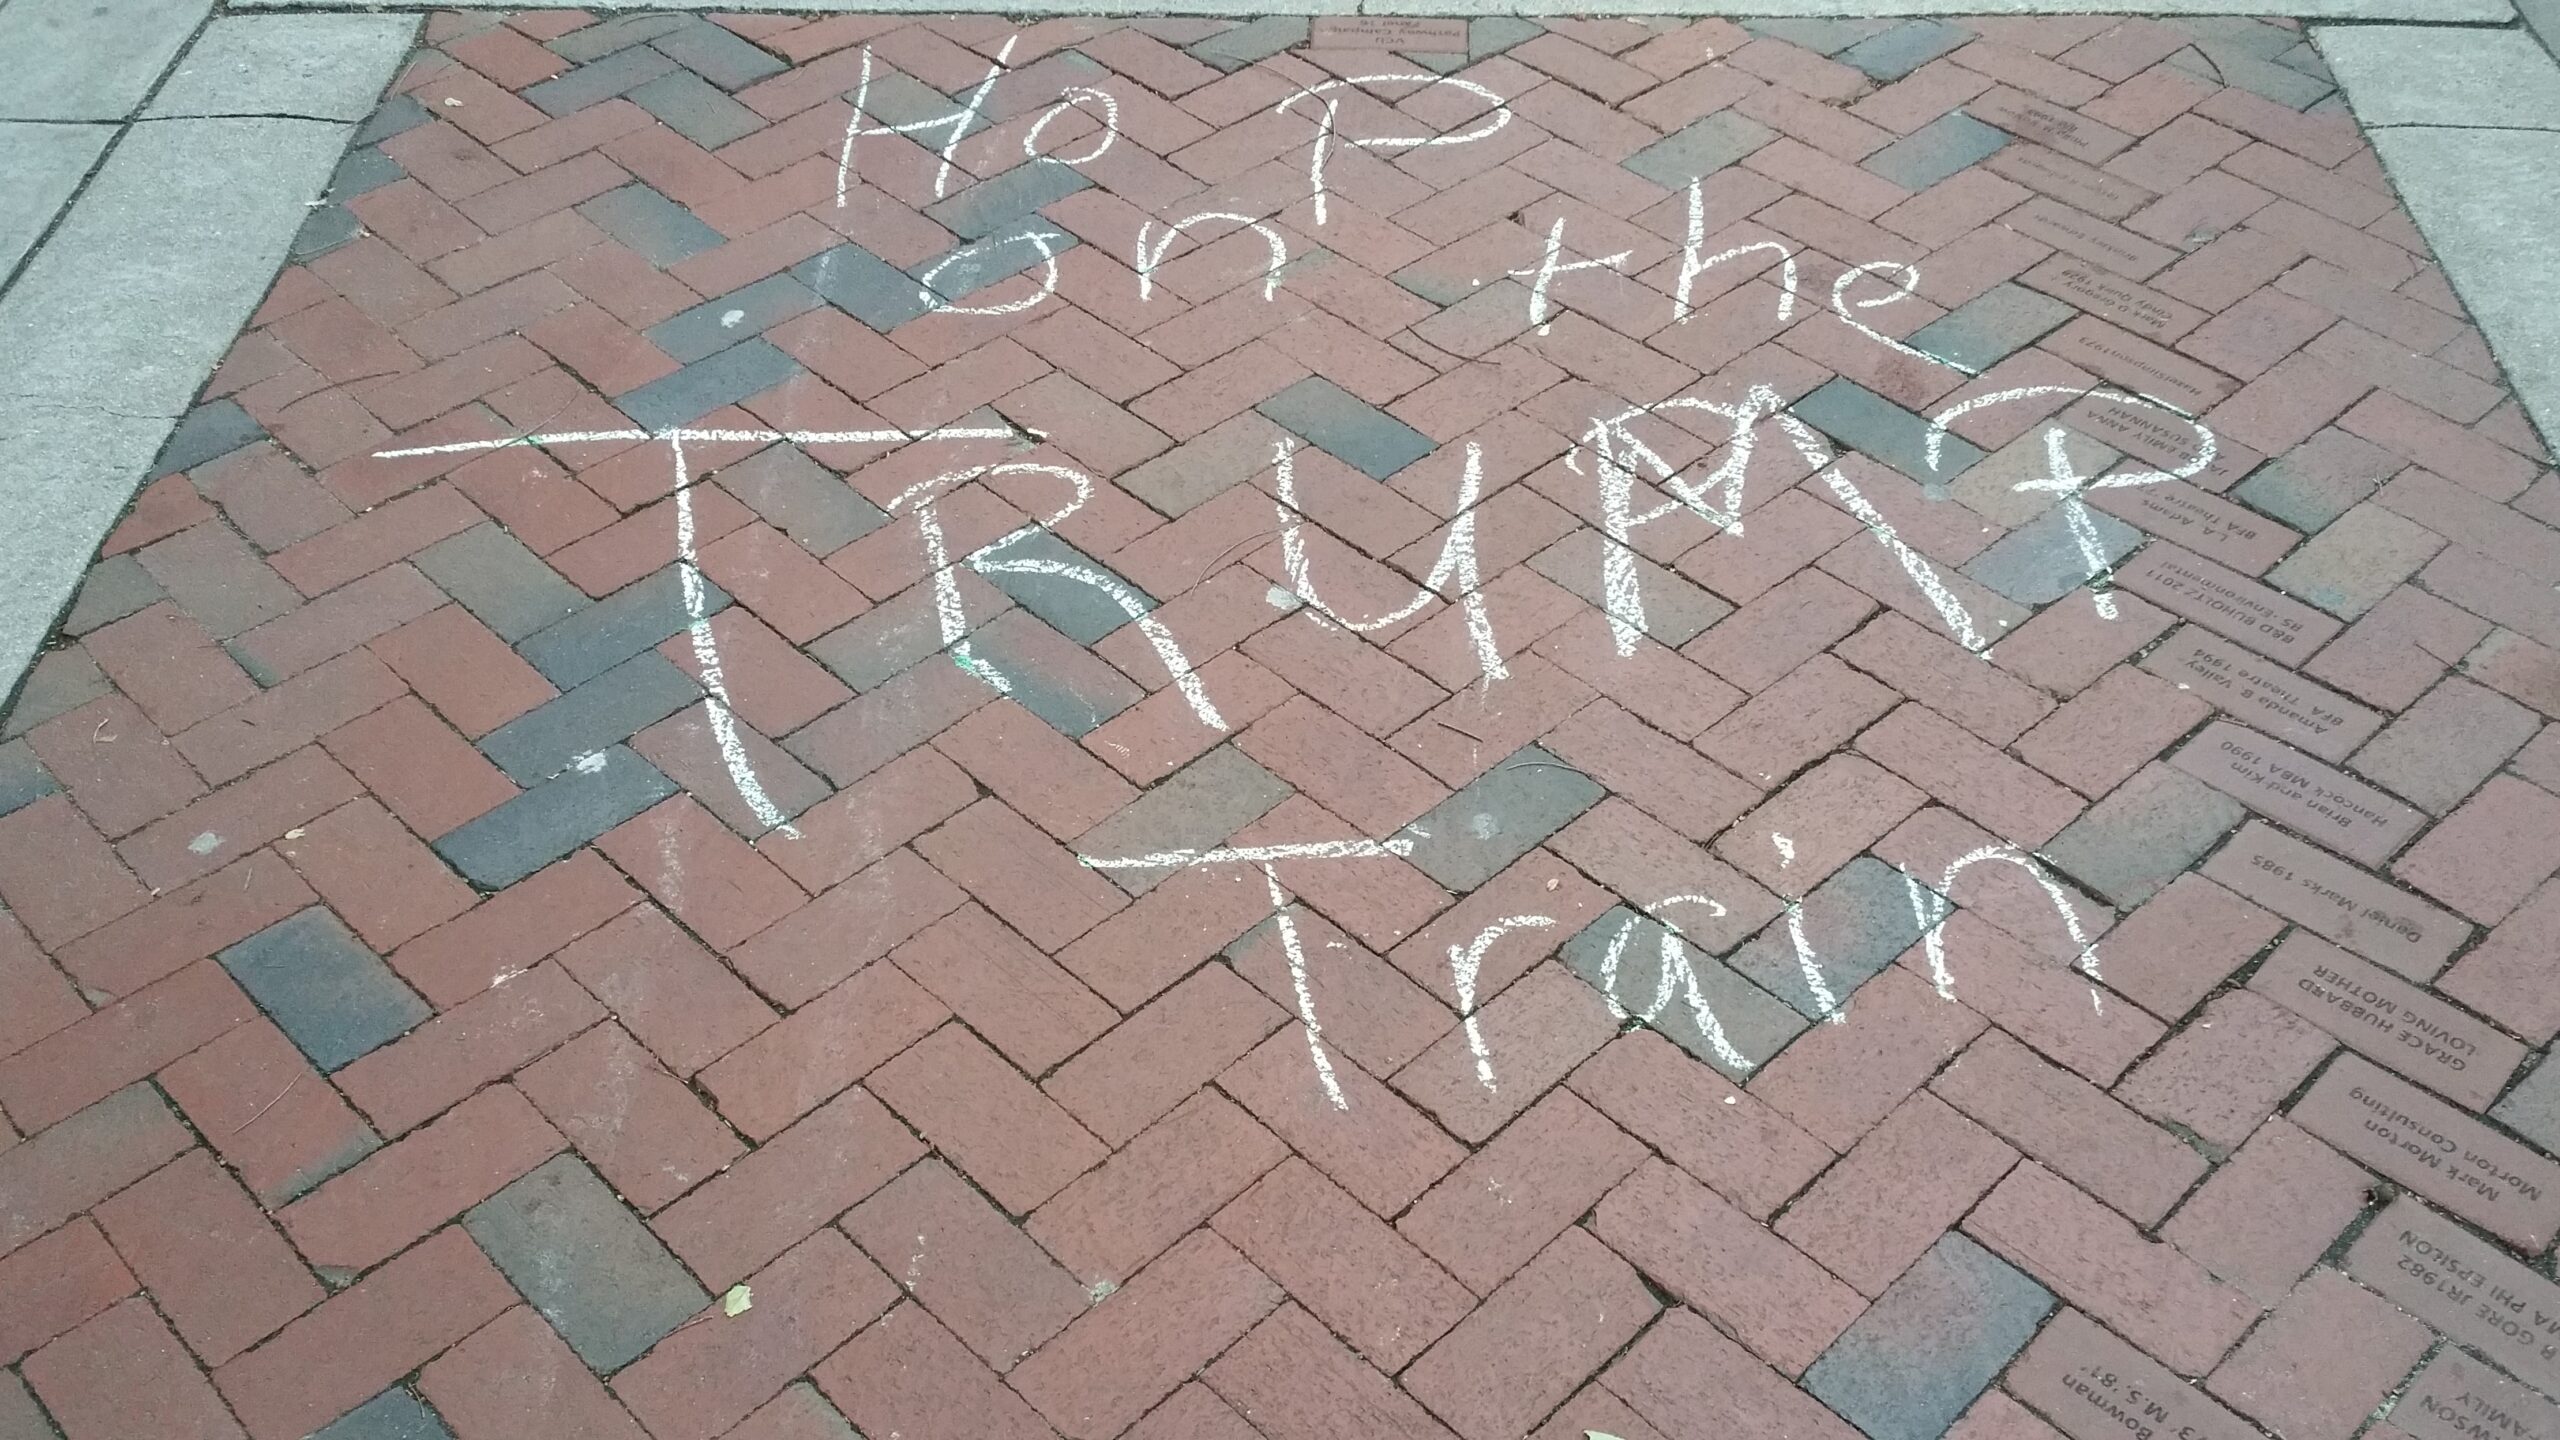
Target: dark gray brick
(1907, 1368)
(324, 230)
(323, 988)
(1904, 48)
(706, 385)
(731, 319)
(398, 115)
(803, 499)
(1701, 148)
(23, 779)
(1347, 427)
(1822, 37)
(2041, 561)
(1072, 607)
(586, 1262)
(1937, 150)
(395, 1414)
(1755, 1025)
(992, 204)
(696, 109)
(897, 98)
(1856, 922)
(1254, 40)
(208, 432)
(882, 643)
(717, 55)
(606, 710)
(2141, 837)
(2307, 496)
(863, 286)
(555, 817)
(1991, 326)
(1199, 806)
(1496, 33)
(2239, 65)
(501, 582)
(2532, 1109)
(1067, 686)
(998, 257)
(623, 624)
(1881, 430)
(116, 587)
(1498, 817)
(656, 228)
(364, 169)
(592, 42)
(598, 80)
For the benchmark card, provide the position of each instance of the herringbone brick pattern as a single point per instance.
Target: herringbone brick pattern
(1210, 729)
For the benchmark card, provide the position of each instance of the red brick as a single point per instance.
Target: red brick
(1362, 1279)
(58, 876)
(457, 665)
(780, 582)
(2323, 1361)
(35, 999)
(2110, 730)
(1888, 1200)
(798, 1413)
(1146, 1066)
(402, 1191)
(846, 928)
(907, 1374)
(2070, 1126)
(163, 659)
(639, 1126)
(772, 687)
(57, 1283)
(788, 1187)
(1013, 870)
(120, 771)
(381, 879)
(362, 1339)
(215, 1265)
(123, 1373)
(1300, 1383)
(515, 1375)
(510, 931)
(2270, 1212)
(967, 1263)
(1749, 1151)
(82, 1160)
(869, 818)
(251, 812)
(396, 531)
(2487, 856)
(1535, 1031)
(127, 1041)
(1168, 1179)
(666, 990)
(2229, 1070)
(279, 721)
(1115, 1363)
(1684, 1369)
(405, 1083)
(1013, 996)
(1534, 1340)
(2040, 1002)
(2158, 1298)
(819, 1049)
(701, 871)
(701, 1380)
(259, 1103)
(987, 1119)
(429, 776)
(1031, 767)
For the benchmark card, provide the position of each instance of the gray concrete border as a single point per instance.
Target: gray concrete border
(2466, 121)
(128, 277)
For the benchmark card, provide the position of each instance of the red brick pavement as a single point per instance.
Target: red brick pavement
(470, 908)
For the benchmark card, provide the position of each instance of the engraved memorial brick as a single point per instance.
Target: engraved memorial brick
(2263, 695)
(2096, 1387)
(2390, 1021)
(2439, 1152)
(2137, 308)
(2283, 784)
(2329, 897)
(2463, 1286)
(2458, 1398)
(2226, 602)
(2201, 521)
